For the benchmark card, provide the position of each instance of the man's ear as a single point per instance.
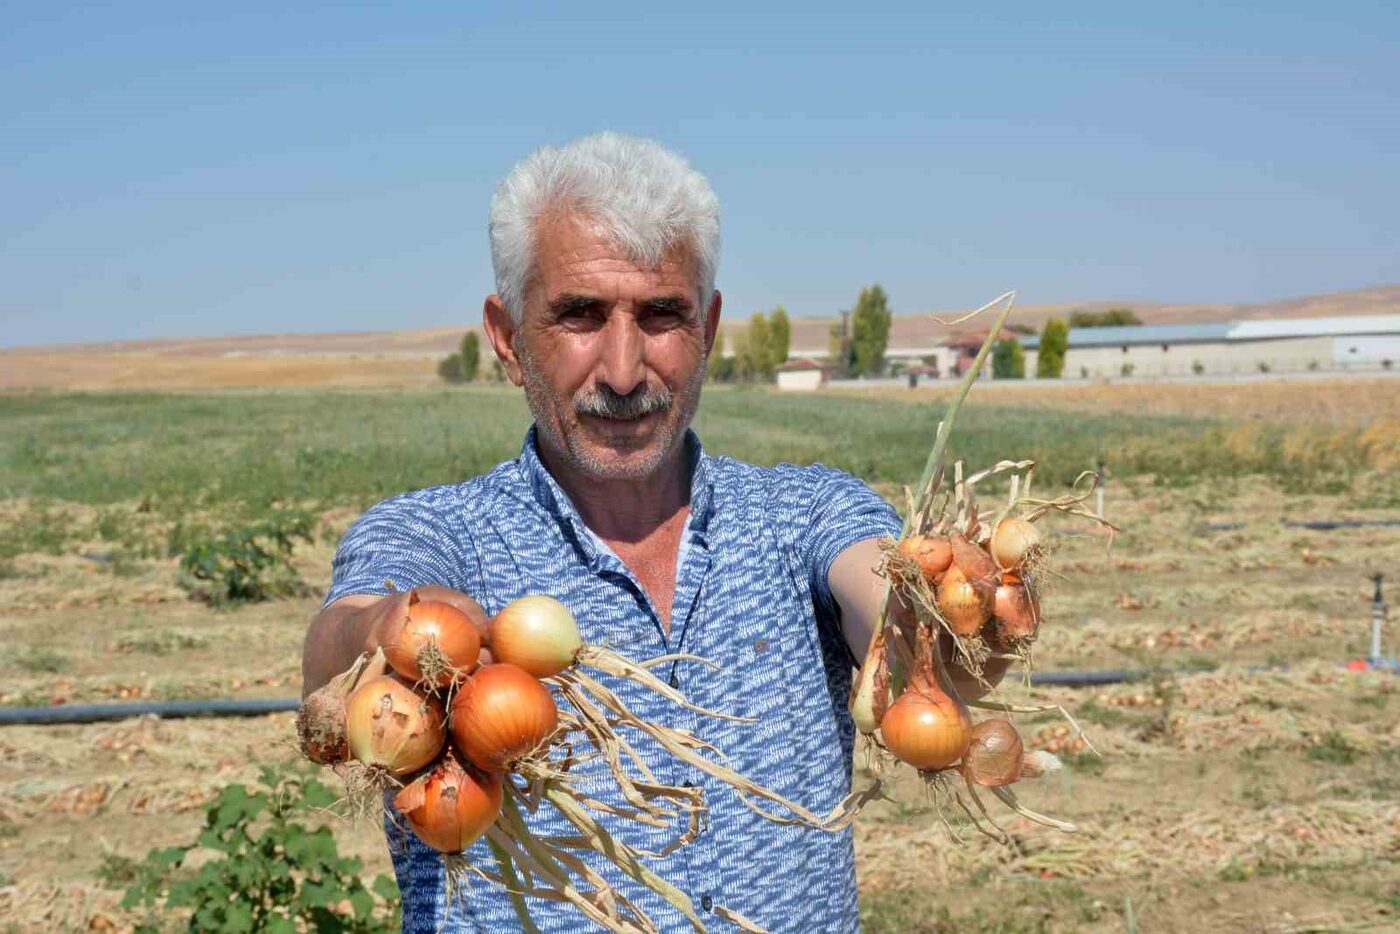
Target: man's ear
(500, 330)
(712, 321)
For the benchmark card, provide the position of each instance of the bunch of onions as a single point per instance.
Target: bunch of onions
(1016, 543)
(931, 553)
(964, 605)
(1016, 611)
(434, 644)
(451, 805)
(536, 633)
(393, 729)
(501, 714)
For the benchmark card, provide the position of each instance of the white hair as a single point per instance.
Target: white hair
(644, 196)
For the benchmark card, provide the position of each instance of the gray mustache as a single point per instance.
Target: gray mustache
(606, 403)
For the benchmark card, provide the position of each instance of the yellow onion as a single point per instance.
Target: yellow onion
(1015, 542)
(974, 562)
(434, 643)
(1016, 611)
(994, 755)
(500, 714)
(926, 727)
(450, 806)
(321, 725)
(931, 554)
(964, 606)
(536, 633)
(392, 727)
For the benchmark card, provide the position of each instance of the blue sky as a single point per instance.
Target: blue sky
(171, 171)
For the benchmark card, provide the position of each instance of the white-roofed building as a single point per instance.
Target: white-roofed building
(1275, 345)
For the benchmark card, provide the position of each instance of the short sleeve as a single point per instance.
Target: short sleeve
(402, 540)
(844, 511)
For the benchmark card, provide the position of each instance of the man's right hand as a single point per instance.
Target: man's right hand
(359, 623)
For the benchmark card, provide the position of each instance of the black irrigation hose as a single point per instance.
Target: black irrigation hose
(1319, 525)
(170, 710)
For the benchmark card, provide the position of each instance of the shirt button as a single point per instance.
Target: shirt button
(707, 903)
(688, 783)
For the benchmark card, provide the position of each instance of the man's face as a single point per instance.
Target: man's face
(611, 354)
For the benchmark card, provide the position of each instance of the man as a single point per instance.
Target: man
(605, 253)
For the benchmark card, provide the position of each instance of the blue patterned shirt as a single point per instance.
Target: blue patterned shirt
(751, 595)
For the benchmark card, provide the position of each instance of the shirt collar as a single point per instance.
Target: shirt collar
(552, 498)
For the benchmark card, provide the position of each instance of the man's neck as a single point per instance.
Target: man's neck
(624, 510)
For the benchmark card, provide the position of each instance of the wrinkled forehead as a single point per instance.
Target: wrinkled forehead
(574, 251)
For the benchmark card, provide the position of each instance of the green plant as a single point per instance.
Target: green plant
(1008, 360)
(39, 659)
(870, 331)
(470, 356)
(247, 565)
(449, 369)
(1333, 747)
(1054, 342)
(269, 869)
(780, 334)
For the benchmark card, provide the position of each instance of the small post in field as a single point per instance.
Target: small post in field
(1378, 615)
(1098, 489)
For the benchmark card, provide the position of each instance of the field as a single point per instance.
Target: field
(1260, 795)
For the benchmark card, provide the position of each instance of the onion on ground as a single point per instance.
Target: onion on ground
(500, 714)
(392, 728)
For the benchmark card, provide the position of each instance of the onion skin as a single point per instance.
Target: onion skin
(500, 714)
(964, 606)
(536, 633)
(932, 555)
(975, 564)
(450, 807)
(1016, 612)
(1015, 542)
(995, 755)
(926, 728)
(392, 727)
(435, 643)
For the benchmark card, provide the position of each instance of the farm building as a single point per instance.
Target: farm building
(1232, 347)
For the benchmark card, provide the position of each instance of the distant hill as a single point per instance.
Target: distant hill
(408, 357)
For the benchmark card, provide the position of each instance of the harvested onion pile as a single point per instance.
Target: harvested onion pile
(465, 745)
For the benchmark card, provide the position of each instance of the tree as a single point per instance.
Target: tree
(1054, 341)
(780, 333)
(719, 368)
(870, 331)
(471, 355)
(838, 349)
(1008, 360)
(450, 368)
(753, 353)
(1113, 318)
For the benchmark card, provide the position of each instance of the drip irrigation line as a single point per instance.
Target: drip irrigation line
(1314, 525)
(166, 710)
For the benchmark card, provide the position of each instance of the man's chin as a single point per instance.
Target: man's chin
(620, 455)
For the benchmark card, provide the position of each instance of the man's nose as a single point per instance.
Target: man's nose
(622, 360)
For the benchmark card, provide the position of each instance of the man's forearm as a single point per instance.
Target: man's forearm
(335, 639)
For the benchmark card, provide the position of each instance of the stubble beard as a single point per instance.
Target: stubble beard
(561, 432)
